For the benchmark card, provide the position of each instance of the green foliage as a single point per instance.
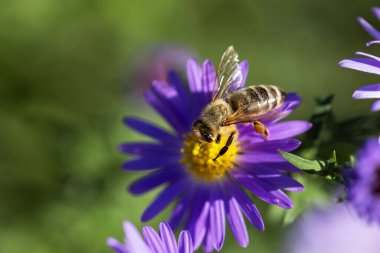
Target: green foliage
(329, 168)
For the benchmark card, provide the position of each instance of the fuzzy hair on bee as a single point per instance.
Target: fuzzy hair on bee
(212, 119)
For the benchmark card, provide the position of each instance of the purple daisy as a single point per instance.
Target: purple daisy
(364, 192)
(206, 192)
(338, 229)
(152, 242)
(369, 63)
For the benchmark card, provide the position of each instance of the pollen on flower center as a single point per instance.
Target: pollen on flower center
(198, 157)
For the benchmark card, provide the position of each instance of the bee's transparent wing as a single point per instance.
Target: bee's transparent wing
(228, 73)
(240, 116)
(250, 113)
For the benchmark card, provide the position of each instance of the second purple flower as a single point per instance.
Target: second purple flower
(369, 63)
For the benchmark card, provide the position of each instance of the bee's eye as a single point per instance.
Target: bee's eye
(207, 137)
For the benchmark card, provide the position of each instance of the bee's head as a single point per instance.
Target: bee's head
(202, 131)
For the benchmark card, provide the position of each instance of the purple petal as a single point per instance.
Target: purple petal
(168, 238)
(148, 149)
(166, 112)
(244, 70)
(148, 163)
(193, 109)
(368, 91)
(208, 243)
(288, 129)
(247, 206)
(153, 240)
(133, 240)
(199, 215)
(285, 201)
(181, 209)
(270, 168)
(253, 157)
(185, 243)
(236, 221)
(373, 42)
(163, 200)
(154, 179)
(376, 12)
(175, 80)
(261, 190)
(362, 64)
(369, 28)
(272, 146)
(281, 181)
(208, 78)
(368, 55)
(169, 97)
(292, 101)
(151, 130)
(217, 221)
(116, 245)
(194, 73)
(376, 106)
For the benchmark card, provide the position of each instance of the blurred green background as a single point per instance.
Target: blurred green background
(65, 85)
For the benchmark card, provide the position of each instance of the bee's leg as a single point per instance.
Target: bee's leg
(225, 147)
(218, 137)
(261, 129)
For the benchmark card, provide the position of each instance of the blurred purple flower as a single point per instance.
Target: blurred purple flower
(364, 192)
(207, 192)
(155, 62)
(338, 229)
(164, 242)
(369, 64)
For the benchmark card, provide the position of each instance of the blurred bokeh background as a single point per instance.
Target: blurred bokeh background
(71, 70)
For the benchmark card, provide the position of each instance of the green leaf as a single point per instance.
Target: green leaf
(302, 163)
(332, 159)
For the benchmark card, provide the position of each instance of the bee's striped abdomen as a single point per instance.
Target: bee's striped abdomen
(256, 99)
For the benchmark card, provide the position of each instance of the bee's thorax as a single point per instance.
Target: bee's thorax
(215, 113)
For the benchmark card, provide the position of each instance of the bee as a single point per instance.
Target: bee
(244, 105)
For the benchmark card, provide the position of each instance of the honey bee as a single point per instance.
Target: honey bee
(244, 105)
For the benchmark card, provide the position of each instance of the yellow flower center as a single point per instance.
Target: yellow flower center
(199, 157)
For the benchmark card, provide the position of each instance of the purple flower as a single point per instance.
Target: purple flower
(369, 63)
(364, 192)
(207, 192)
(152, 242)
(338, 229)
